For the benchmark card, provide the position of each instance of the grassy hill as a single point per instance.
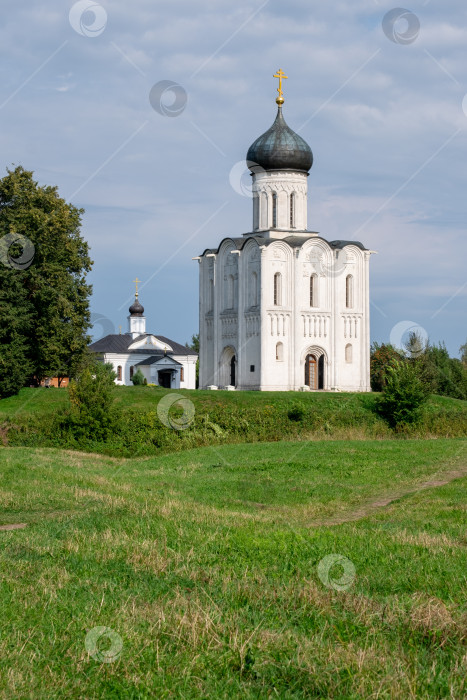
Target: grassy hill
(35, 418)
(211, 568)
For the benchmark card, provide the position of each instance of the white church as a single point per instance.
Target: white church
(162, 361)
(281, 308)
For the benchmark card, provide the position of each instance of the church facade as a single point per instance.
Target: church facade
(281, 308)
(162, 361)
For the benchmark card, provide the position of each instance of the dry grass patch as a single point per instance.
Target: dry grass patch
(424, 539)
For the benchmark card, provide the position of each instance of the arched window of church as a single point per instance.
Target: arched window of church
(274, 210)
(211, 295)
(314, 290)
(349, 291)
(255, 211)
(278, 289)
(264, 211)
(348, 353)
(254, 289)
(119, 373)
(280, 352)
(132, 369)
(230, 292)
(292, 210)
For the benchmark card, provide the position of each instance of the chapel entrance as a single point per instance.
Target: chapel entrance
(314, 372)
(164, 378)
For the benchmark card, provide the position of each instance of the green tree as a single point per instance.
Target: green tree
(91, 397)
(415, 345)
(403, 394)
(381, 357)
(15, 326)
(194, 345)
(441, 374)
(42, 251)
(463, 352)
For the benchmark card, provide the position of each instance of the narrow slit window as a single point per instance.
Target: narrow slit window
(313, 290)
(349, 291)
(254, 289)
(119, 373)
(211, 295)
(277, 289)
(274, 210)
(292, 210)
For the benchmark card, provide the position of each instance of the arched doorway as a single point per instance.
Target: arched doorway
(311, 371)
(228, 367)
(232, 371)
(314, 371)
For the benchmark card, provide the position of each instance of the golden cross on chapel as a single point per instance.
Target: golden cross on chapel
(137, 281)
(281, 75)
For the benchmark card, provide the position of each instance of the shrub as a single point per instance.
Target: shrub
(403, 396)
(91, 399)
(138, 378)
(296, 412)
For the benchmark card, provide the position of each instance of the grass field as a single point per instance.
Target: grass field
(210, 568)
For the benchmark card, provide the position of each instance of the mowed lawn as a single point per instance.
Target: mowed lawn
(208, 572)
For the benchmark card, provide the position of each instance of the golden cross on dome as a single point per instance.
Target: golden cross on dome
(137, 281)
(281, 75)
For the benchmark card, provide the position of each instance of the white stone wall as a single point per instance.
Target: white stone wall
(275, 338)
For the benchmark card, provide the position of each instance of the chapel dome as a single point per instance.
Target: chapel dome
(280, 148)
(136, 309)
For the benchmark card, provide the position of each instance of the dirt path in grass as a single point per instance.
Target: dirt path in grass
(371, 507)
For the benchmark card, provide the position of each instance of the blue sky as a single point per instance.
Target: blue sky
(384, 118)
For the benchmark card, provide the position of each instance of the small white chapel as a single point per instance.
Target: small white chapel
(282, 308)
(162, 361)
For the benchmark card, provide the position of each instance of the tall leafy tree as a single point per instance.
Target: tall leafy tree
(381, 357)
(463, 352)
(43, 254)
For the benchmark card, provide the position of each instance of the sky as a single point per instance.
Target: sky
(142, 113)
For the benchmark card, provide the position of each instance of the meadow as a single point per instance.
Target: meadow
(298, 568)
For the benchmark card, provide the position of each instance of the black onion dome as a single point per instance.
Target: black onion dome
(280, 148)
(136, 309)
